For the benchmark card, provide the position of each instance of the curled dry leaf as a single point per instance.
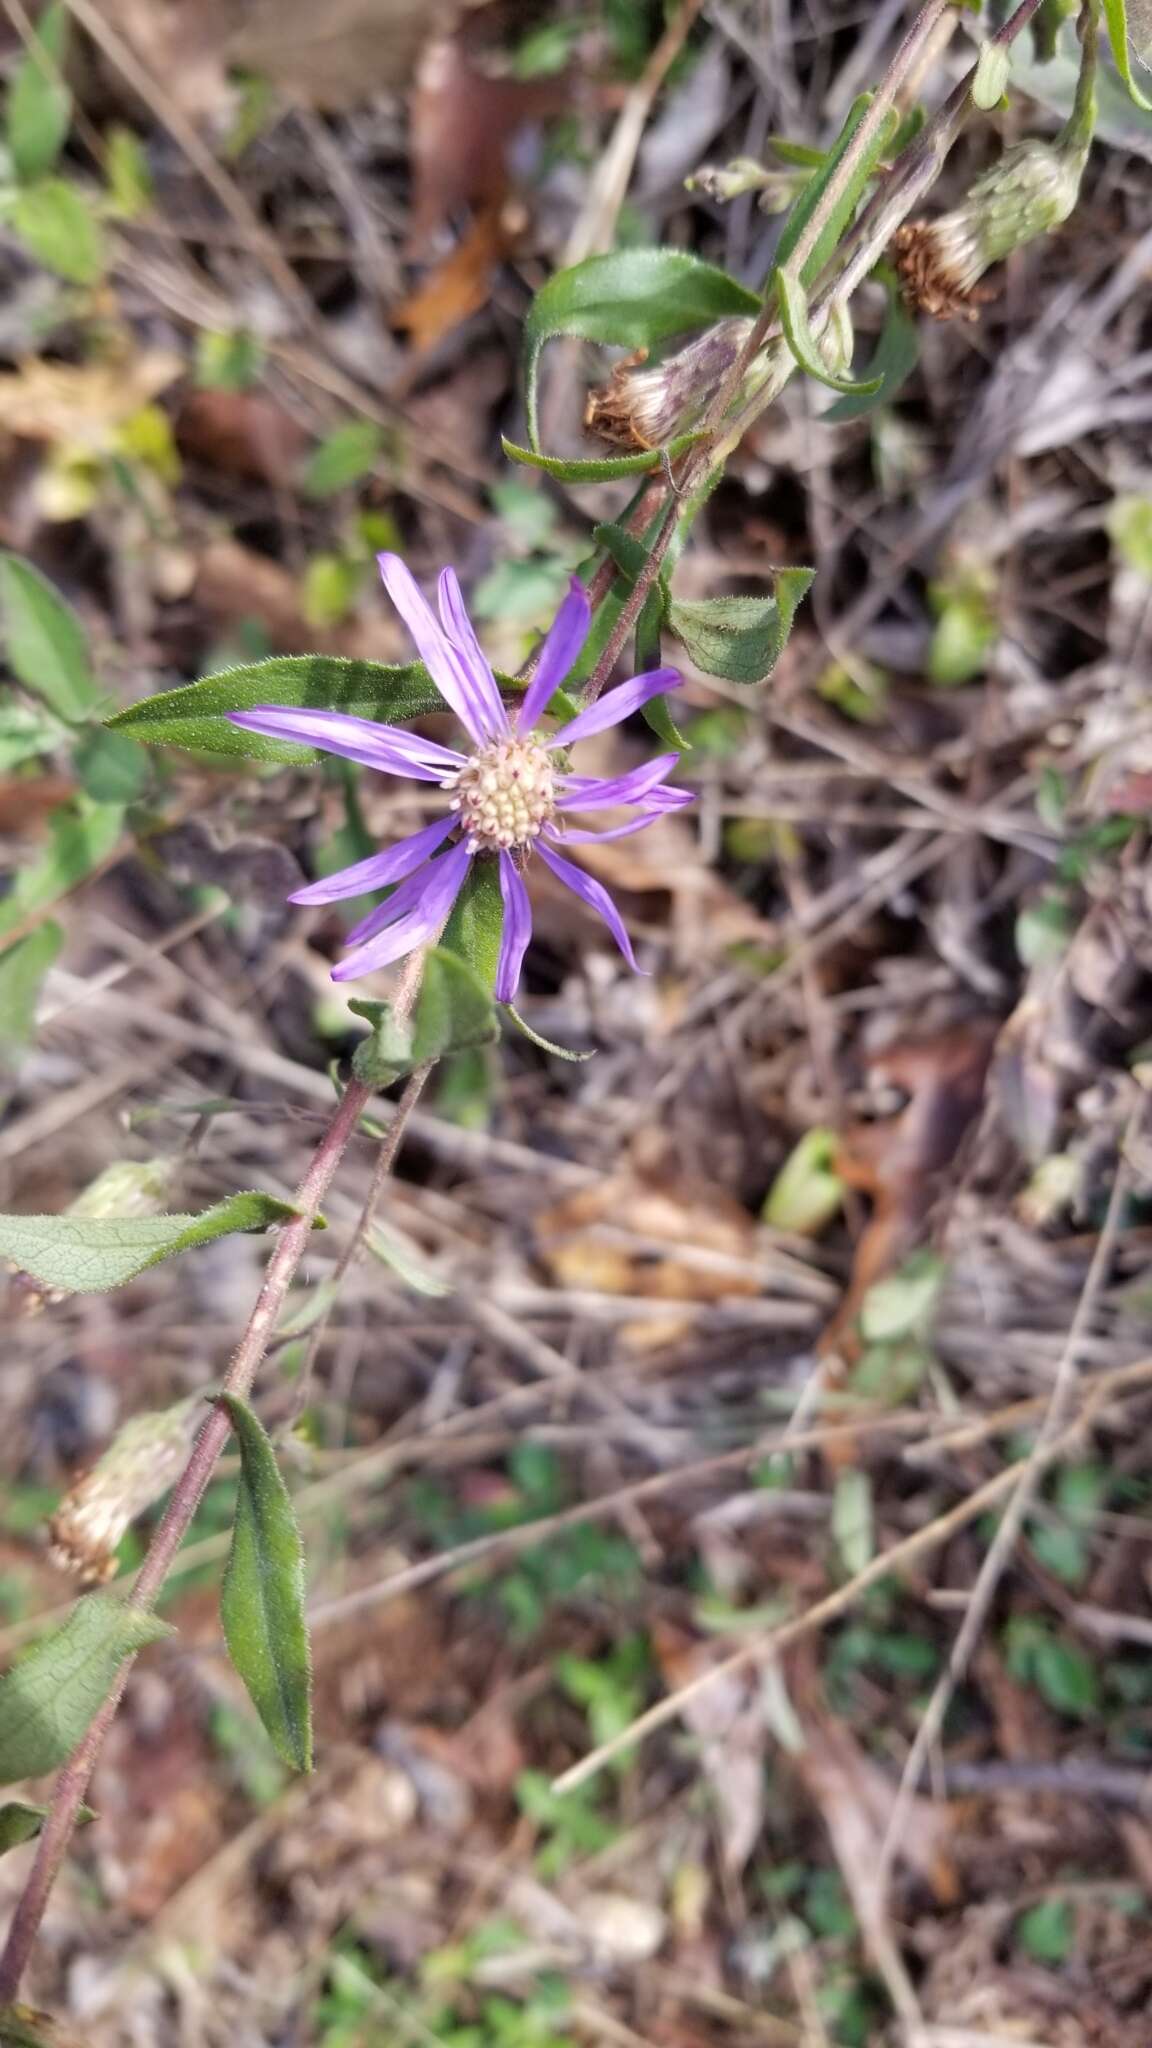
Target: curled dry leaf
(900, 1161)
(83, 405)
(580, 1242)
(460, 285)
(241, 433)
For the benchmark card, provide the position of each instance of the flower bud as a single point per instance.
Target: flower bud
(1032, 190)
(139, 1465)
(642, 408)
(774, 189)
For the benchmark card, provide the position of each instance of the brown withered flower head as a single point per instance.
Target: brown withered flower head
(140, 1464)
(646, 408)
(1032, 190)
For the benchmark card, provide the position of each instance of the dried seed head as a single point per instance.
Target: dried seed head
(1032, 190)
(641, 408)
(504, 796)
(139, 1465)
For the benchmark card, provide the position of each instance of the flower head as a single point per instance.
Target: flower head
(1032, 190)
(508, 796)
(644, 407)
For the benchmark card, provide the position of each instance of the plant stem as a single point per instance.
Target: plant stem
(72, 1783)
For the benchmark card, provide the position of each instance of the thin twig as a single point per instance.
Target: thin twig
(1025, 1484)
(833, 1604)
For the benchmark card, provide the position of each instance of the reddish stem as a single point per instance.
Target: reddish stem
(72, 1783)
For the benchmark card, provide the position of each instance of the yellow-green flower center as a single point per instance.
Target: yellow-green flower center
(504, 796)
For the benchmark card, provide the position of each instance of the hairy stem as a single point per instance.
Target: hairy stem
(72, 1783)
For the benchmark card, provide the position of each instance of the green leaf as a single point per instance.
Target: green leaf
(262, 1597)
(20, 2027)
(633, 298)
(903, 1304)
(22, 969)
(57, 226)
(1120, 36)
(82, 835)
(195, 716)
(90, 1254)
(52, 1693)
(45, 642)
(39, 103)
(740, 637)
(598, 469)
(454, 1009)
(21, 1823)
(346, 455)
(991, 77)
(896, 356)
(807, 1192)
(228, 361)
(112, 769)
(792, 300)
(453, 1012)
(809, 199)
(1129, 524)
(1046, 1931)
(386, 1053)
(1065, 1677)
(649, 630)
(474, 929)
(128, 172)
(853, 1528)
(964, 631)
(630, 556)
(395, 1251)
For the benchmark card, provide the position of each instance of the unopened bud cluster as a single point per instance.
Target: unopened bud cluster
(1032, 190)
(505, 796)
(139, 1466)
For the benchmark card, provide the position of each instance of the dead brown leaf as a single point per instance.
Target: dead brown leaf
(241, 433)
(459, 286)
(82, 405)
(899, 1161)
(234, 583)
(464, 121)
(578, 1244)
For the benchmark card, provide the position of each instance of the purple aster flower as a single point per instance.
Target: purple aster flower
(506, 797)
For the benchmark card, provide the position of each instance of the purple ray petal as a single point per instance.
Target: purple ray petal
(441, 883)
(379, 868)
(592, 893)
(517, 929)
(585, 838)
(448, 669)
(666, 799)
(586, 793)
(618, 704)
(459, 629)
(565, 637)
(388, 748)
(405, 897)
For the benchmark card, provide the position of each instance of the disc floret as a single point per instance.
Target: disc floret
(505, 795)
